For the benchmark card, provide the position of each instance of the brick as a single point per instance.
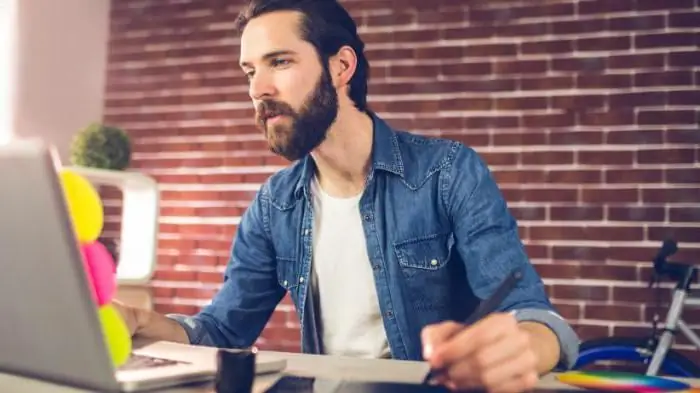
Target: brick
(521, 103)
(664, 40)
(666, 156)
(671, 195)
(568, 311)
(547, 83)
(636, 213)
(579, 64)
(628, 313)
(588, 292)
(578, 26)
(684, 59)
(684, 19)
(666, 117)
(579, 101)
(684, 97)
(547, 47)
(602, 6)
(473, 122)
(680, 234)
(441, 16)
(637, 22)
(537, 251)
(636, 137)
(579, 253)
(648, 5)
(683, 136)
(576, 138)
(608, 195)
(519, 139)
(497, 159)
(633, 176)
(632, 61)
(603, 81)
(509, 67)
(518, 29)
(683, 176)
(649, 98)
(684, 214)
(540, 195)
(547, 157)
(603, 43)
(546, 9)
(471, 68)
(469, 32)
(612, 117)
(396, 18)
(606, 157)
(587, 232)
(577, 213)
(528, 213)
(518, 176)
(636, 295)
(574, 177)
(565, 119)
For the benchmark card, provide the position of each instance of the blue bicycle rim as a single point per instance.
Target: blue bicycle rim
(626, 353)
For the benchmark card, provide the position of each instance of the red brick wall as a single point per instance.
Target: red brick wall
(586, 112)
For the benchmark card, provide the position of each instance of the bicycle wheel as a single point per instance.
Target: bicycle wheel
(635, 351)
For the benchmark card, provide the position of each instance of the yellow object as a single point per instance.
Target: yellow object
(84, 205)
(116, 334)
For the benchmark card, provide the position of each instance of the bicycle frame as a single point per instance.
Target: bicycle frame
(674, 323)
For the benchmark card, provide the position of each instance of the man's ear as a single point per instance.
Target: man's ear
(342, 66)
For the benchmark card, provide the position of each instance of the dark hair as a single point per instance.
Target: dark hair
(327, 26)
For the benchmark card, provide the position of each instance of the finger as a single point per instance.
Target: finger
(434, 335)
(469, 340)
(509, 346)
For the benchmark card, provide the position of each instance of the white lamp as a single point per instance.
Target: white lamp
(139, 221)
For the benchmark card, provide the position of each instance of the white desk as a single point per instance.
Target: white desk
(297, 364)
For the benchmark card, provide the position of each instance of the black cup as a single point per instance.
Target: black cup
(235, 371)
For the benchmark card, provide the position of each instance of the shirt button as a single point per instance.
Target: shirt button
(433, 262)
(306, 232)
(389, 314)
(301, 279)
(368, 217)
(285, 283)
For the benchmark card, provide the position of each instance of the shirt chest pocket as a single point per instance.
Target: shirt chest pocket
(424, 265)
(425, 253)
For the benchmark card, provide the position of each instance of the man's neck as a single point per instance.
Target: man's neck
(343, 159)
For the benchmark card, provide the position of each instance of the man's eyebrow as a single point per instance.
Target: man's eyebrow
(269, 55)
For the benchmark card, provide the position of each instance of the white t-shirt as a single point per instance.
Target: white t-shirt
(343, 280)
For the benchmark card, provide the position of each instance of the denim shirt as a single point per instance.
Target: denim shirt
(439, 238)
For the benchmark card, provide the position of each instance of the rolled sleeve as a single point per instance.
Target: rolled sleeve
(568, 339)
(196, 332)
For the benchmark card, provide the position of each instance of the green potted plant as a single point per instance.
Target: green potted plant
(101, 146)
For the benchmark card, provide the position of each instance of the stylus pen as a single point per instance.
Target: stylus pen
(486, 307)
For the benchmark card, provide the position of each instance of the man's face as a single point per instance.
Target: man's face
(294, 97)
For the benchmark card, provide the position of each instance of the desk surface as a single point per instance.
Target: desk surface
(297, 364)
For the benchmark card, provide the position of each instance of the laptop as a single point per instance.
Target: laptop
(49, 327)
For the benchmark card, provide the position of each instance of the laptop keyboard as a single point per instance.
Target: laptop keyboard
(140, 361)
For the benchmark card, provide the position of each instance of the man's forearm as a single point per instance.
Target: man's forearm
(544, 343)
(159, 327)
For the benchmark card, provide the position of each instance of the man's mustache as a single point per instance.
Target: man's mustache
(268, 109)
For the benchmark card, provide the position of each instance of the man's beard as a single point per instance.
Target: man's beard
(308, 127)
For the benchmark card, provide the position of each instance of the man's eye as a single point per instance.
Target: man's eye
(279, 62)
(249, 74)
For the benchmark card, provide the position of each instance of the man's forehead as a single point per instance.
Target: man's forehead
(270, 32)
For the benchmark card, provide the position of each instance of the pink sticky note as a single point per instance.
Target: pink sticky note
(100, 267)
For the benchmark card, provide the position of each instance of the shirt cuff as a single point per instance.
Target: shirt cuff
(196, 332)
(568, 339)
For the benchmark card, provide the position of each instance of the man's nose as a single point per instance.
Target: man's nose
(261, 87)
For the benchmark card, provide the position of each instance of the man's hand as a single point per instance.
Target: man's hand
(495, 354)
(129, 315)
